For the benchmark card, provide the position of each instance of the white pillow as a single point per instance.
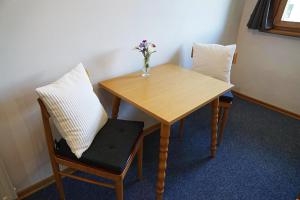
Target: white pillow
(213, 60)
(76, 110)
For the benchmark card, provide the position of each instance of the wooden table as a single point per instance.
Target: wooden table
(169, 94)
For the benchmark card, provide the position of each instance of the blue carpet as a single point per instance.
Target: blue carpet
(258, 159)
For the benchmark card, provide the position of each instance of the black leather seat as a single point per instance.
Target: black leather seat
(111, 147)
(227, 97)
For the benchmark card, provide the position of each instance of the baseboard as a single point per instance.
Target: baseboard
(40, 185)
(267, 105)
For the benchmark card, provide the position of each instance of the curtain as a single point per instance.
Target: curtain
(262, 16)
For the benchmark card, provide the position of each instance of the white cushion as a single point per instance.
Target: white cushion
(76, 110)
(213, 60)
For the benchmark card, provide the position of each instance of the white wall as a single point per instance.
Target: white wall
(268, 66)
(41, 40)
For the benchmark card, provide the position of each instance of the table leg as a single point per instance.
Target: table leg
(214, 127)
(163, 155)
(115, 107)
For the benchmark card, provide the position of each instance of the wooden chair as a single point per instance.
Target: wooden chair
(123, 137)
(225, 102)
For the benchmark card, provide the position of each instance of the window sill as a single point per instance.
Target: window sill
(284, 32)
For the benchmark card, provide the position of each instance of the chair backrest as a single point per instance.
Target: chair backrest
(234, 60)
(47, 127)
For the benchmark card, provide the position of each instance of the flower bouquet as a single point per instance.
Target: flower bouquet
(147, 49)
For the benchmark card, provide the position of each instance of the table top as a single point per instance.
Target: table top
(169, 93)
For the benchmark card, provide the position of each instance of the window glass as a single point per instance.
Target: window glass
(292, 11)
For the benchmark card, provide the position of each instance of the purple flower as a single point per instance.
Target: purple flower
(146, 48)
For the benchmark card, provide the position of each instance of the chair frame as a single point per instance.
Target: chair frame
(57, 160)
(223, 111)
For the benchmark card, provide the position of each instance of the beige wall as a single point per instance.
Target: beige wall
(41, 40)
(268, 65)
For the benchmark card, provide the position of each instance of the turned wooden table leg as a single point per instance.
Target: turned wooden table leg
(214, 127)
(163, 155)
(115, 107)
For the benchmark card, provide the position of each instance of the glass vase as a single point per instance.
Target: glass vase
(146, 67)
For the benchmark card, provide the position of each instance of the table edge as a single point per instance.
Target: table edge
(158, 117)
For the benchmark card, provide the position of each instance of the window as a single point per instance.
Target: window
(287, 18)
(292, 11)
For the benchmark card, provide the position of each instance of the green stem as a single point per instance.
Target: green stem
(146, 61)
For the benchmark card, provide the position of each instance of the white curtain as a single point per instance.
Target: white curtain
(7, 190)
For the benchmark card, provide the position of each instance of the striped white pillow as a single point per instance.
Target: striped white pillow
(76, 110)
(213, 60)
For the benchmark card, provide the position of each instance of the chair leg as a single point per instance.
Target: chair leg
(181, 123)
(140, 162)
(119, 189)
(220, 114)
(58, 180)
(222, 124)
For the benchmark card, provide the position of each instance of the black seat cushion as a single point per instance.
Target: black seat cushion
(227, 97)
(110, 148)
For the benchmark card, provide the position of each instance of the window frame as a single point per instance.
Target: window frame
(284, 27)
